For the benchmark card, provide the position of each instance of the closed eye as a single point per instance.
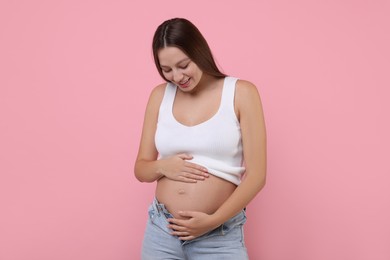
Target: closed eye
(184, 66)
(167, 70)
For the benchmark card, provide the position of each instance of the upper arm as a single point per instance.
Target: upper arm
(253, 131)
(147, 148)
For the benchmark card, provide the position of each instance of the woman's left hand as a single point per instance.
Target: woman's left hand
(197, 224)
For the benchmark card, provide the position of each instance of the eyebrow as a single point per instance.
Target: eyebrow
(181, 61)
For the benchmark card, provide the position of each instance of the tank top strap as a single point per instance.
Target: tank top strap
(228, 93)
(168, 99)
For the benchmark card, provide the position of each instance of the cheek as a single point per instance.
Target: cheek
(191, 72)
(195, 71)
(168, 76)
(198, 73)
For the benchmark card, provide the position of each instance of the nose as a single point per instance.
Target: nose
(177, 76)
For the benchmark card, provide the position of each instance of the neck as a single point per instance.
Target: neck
(207, 82)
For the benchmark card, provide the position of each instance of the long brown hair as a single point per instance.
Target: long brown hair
(181, 33)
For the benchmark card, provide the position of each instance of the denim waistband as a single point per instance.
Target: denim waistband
(160, 208)
(238, 219)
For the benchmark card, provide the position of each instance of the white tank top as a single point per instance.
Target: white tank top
(215, 144)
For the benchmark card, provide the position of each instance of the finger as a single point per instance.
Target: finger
(196, 167)
(189, 214)
(185, 238)
(193, 176)
(180, 234)
(185, 156)
(186, 179)
(197, 172)
(175, 221)
(176, 228)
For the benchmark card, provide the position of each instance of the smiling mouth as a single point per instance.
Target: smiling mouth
(184, 82)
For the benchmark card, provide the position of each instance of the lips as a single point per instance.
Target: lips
(185, 83)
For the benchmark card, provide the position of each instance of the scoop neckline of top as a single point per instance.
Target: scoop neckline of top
(207, 120)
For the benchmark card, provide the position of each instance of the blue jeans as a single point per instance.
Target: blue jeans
(225, 242)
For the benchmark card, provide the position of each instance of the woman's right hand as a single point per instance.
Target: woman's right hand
(178, 168)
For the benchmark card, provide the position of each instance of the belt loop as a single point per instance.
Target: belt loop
(221, 230)
(157, 206)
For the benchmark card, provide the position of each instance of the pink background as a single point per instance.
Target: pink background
(74, 80)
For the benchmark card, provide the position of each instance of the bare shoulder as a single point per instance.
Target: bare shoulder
(156, 97)
(244, 87)
(249, 108)
(246, 92)
(158, 92)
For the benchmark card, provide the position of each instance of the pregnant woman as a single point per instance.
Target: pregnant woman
(204, 143)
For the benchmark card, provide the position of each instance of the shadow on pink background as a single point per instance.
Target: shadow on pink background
(74, 80)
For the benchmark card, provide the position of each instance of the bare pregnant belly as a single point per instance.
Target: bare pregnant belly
(204, 196)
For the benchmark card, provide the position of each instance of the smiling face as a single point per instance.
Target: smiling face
(178, 68)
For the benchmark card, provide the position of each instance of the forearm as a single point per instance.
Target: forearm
(148, 171)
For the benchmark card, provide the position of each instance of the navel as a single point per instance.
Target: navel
(181, 191)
